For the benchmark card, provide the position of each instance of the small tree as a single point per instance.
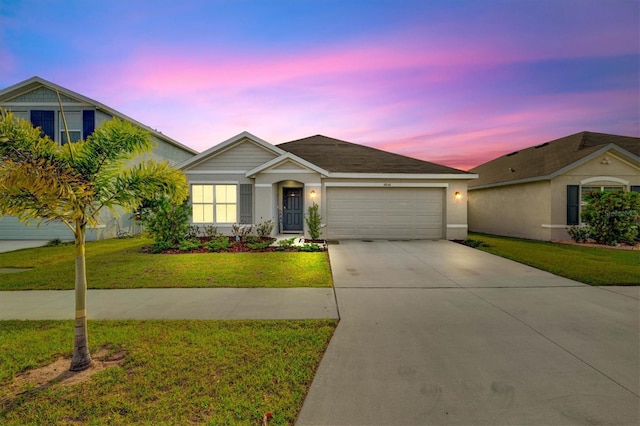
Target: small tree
(314, 221)
(612, 217)
(41, 180)
(166, 222)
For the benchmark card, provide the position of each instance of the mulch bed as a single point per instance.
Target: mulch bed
(238, 247)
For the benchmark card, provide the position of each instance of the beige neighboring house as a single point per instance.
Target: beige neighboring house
(362, 192)
(537, 192)
(36, 100)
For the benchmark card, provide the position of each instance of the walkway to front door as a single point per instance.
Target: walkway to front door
(292, 209)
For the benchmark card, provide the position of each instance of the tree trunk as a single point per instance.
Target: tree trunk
(81, 358)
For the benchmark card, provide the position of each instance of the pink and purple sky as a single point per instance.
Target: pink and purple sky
(453, 82)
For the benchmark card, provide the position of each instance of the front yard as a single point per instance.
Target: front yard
(589, 265)
(118, 264)
(162, 372)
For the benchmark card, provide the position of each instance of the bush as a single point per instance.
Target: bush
(314, 221)
(189, 245)
(261, 245)
(311, 247)
(193, 232)
(250, 239)
(211, 231)
(54, 242)
(165, 222)
(219, 243)
(263, 229)
(579, 234)
(240, 231)
(285, 244)
(160, 246)
(612, 216)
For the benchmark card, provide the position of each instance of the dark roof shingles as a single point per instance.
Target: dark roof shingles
(548, 158)
(335, 155)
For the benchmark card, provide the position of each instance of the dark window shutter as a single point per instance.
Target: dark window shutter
(573, 204)
(246, 203)
(635, 188)
(44, 120)
(88, 123)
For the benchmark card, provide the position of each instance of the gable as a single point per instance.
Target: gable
(606, 164)
(41, 95)
(289, 166)
(239, 157)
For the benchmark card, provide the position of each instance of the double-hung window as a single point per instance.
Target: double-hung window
(214, 203)
(74, 123)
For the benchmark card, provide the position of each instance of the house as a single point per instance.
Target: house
(537, 192)
(37, 100)
(362, 192)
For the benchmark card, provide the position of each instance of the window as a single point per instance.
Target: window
(44, 120)
(214, 203)
(74, 123)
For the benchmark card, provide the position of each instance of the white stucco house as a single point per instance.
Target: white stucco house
(537, 192)
(36, 100)
(362, 192)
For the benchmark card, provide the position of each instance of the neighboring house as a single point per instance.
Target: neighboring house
(537, 192)
(363, 193)
(37, 100)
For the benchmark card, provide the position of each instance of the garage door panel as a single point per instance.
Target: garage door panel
(385, 213)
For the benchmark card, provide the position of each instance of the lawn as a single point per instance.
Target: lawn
(590, 265)
(172, 372)
(118, 263)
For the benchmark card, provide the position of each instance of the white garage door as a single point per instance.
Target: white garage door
(384, 213)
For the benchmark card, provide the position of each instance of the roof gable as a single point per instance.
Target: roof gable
(37, 89)
(337, 156)
(258, 152)
(287, 162)
(552, 158)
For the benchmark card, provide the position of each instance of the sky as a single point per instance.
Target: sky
(453, 82)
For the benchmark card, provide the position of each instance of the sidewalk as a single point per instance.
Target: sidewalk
(174, 303)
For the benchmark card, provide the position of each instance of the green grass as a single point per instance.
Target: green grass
(589, 265)
(174, 372)
(118, 263)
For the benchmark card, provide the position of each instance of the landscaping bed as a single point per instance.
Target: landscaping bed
(230, 244)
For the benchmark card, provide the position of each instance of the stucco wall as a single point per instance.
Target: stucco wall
(514, 210)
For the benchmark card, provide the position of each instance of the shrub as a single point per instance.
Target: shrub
(211, 231)
(250, 239)
(192, 233)
(612, 216)
(311, 247)
(164, 221)
(160, 246)
(313, 220)
(261, 245)
(263, 229)
(219, 243)
(54, 242)
(240, 231)
(189, 245)
(285, 244)
(579, 234)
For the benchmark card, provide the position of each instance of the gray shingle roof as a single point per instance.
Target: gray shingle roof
(339, 156)
(548, 158)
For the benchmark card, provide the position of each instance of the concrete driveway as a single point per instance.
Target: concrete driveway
(433, 332)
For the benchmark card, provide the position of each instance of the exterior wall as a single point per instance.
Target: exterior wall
(513, 210)
(240, 157)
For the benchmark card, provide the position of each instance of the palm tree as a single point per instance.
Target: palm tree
(41, 180)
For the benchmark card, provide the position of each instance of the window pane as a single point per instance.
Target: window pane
(225, 193)
(197, 213)
(208, 213)
(612, 188)
(225, 213)
(207, 194)
(231, 194)
(75, 136)
(196, 193)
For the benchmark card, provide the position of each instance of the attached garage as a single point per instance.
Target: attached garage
(385, 213)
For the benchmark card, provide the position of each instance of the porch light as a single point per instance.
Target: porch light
(458, 195)
(313, 194)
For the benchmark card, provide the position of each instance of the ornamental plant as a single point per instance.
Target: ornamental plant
(612, 217)
(313, 220)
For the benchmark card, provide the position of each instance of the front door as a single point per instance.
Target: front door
(292, 209)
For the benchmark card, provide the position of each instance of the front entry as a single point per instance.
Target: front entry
(292, 209)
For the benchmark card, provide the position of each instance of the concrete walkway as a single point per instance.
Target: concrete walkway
(436, 333)
(174, 303)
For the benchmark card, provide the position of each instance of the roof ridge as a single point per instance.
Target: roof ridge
(583, 141)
